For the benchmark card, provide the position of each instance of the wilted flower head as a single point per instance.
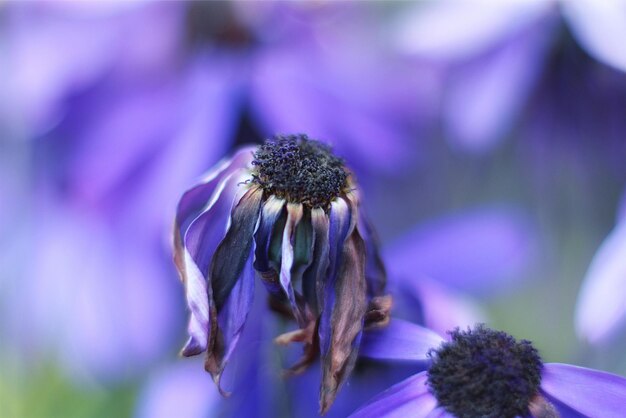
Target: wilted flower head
(481, 372)
(288, 210)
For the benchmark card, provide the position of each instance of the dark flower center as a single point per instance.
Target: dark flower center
(485, 373)
(300, 170)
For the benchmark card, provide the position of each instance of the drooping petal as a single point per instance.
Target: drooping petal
(345, 303)
(232, 253)
(589, 392)
(409, 398)
(199, 196)
(232, 317)
(601, 307)
(226, 268)
(400, 340)
(316, 272)
(200, 242)
(263, 263)
(294, 215)
(600, 27)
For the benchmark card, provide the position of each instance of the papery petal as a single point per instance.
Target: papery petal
(600, 27)
(480, 250)
(456, 29)
(184, 390)
(268, 228)
(590, 392)
(294, 215)
(344, 303)
(601, 307)
(232, 253)
(316, 272)
(409, 398)
(226, 268)
(400, 340)
(199, 196)
(200, 242)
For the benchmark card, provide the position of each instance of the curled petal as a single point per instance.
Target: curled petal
(200, 196)
(232, 253)
(409, 398)
(294, 215)
(400, 340)
(232, 317)
(226, 268)
(200, 241)
(263, 260)
(316, 272)
(601, 309)
(344, 303)
(586, 391)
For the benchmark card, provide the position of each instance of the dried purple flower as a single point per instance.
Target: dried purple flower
(288, 210)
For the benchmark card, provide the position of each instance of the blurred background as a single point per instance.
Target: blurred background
(488, 138)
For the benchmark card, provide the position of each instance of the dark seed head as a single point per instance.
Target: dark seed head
(300, 170)
(485, 373)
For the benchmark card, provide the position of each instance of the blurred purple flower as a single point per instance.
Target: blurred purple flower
(601, 306)
(494, 60)
(473, 371)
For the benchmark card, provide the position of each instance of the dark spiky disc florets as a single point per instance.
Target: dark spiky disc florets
(299, 169)
(485, 373)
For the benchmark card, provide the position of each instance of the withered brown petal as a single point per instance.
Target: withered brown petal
(348, 311)
(314, 275)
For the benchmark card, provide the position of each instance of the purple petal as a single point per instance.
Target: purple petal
(400, 340)
(184, 390)
(601, 309)
(294, 215)
(314, 275)
(600, 27)
(480, 250)
(199, 196)
(496, 85)
(409, 398)
(268, 269)
(200, 243)
(338, 230)
(231, 254)
(344, 303)
(589, 392)
(456, 30)
(232, 317)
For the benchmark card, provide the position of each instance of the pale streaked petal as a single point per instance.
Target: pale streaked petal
(589, 392)
(601, 307)
(600, 27)
(400, 340)
(294, 215)
(268, 225)
(409, 398)
(314, 275)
